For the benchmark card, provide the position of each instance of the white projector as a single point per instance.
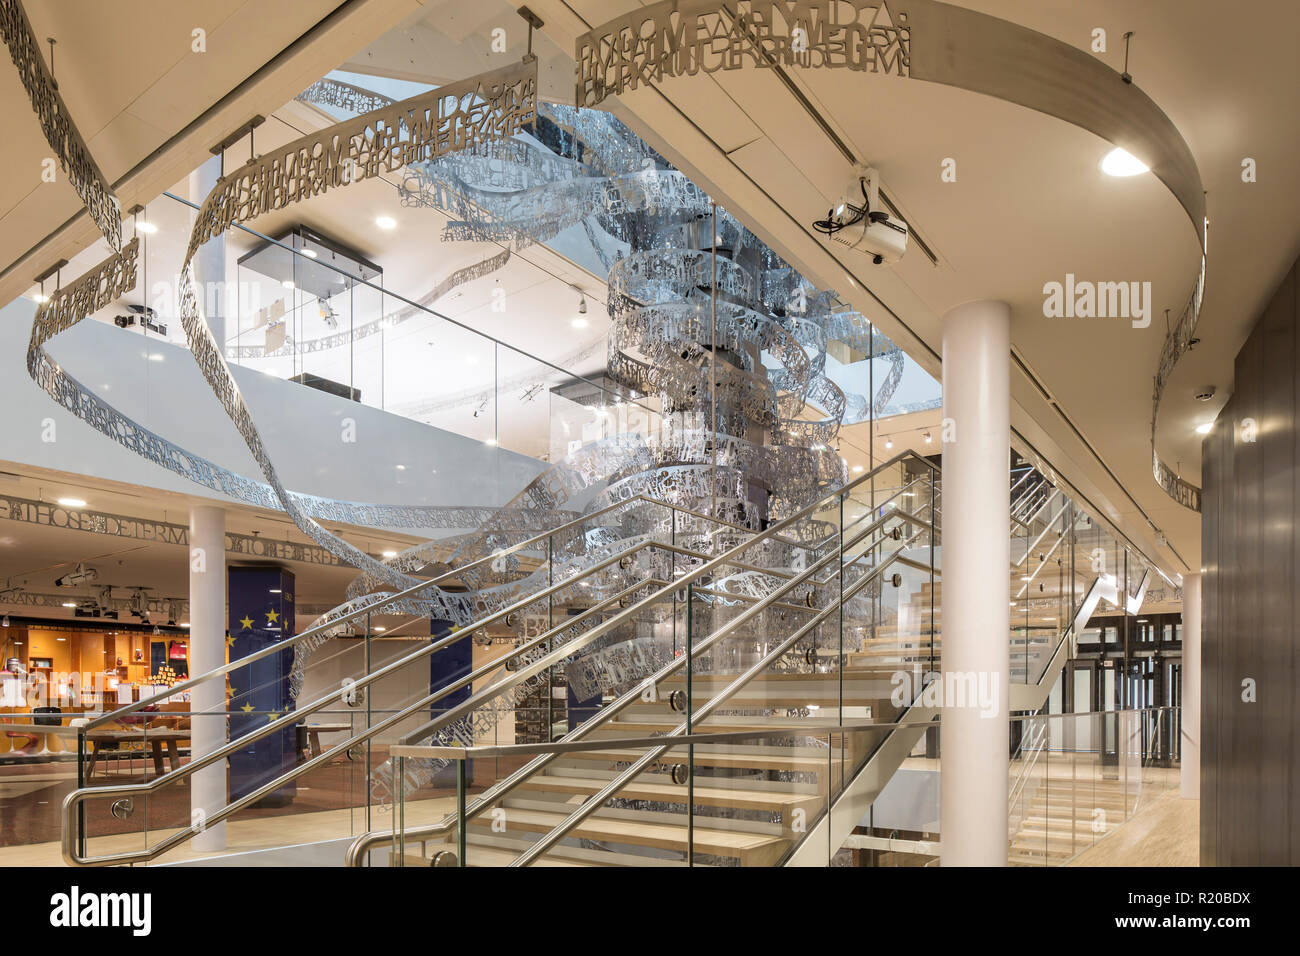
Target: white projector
(877, 235)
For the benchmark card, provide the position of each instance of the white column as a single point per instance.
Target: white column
(1190, 774)
(976, 573)
(210, 259)
(207, 652)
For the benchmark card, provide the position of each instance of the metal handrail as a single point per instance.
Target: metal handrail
(596, 801)
(360, 613)
(72, 802)
(606, 713)
(365, 842)
(509, 783)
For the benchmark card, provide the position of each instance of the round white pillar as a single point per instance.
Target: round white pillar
(208, 791)
(210, 259)
(1190, 771)
(976, 573)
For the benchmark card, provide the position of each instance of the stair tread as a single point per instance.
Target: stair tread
(662, 835)
(677, 793)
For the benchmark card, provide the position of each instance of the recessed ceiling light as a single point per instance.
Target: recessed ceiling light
(287, 283)
(309, 253)
(1120, 162)
(580, 322)
(1204, 428)
(72, 502)
(379, 628)
(147, 228)
(390, 554)
(858, 469)
(40, 298)
(69, 603)
(155, 356)
(386, 222)
(490, 441)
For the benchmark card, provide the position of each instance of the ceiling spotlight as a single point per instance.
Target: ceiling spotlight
(40, 298)
(1204, 428)
(1120, 162)
(309, 253)
(928, 438)
(858, 469)
(390, 554)
(386, 222)
(69, 603)
(377, 628)
(147, 228)
(5, 621)
(287, 283)
(72, 503)
(889, 443)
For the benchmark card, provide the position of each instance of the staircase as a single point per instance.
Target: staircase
(1067, 815)
(751, 802)
(781, 635)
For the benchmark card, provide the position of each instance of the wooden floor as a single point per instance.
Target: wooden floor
(1165, 832)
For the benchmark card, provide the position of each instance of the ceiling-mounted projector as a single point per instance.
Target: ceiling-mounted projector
(857, 221)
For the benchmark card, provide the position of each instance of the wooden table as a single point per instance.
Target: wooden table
(113, 739)
(315, 730)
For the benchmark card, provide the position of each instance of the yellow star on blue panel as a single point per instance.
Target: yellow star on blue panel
(246, 708)
(230, 641)
(247, 622)
(270, 718)
(272, 617)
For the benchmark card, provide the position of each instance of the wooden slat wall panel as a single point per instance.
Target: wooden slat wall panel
(1250, 752)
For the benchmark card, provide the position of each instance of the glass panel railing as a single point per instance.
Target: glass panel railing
(1084, 776)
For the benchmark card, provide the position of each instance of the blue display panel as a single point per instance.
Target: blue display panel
(261, 602)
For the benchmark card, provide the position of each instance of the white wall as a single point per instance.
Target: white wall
(302, 427)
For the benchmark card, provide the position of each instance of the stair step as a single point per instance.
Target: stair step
(711, 755)
(645, 789)
(751, 849)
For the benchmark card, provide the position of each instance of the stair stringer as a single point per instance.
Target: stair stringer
(852, 804)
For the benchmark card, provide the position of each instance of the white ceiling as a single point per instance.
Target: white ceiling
(148, 106)
(1028, 207)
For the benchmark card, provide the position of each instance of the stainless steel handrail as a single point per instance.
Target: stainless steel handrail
(77, 797)
(74, 799)
(364, 843)
(606, 713)
(596, 801)
(504, 786)
(360, 613)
